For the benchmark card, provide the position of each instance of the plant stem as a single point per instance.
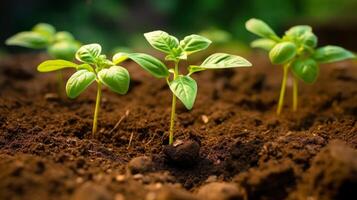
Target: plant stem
(173, 109)
(295, 94)
(282, 90)
(96, 111)
(60, 86)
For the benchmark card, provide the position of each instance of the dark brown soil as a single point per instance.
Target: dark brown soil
(47, 152)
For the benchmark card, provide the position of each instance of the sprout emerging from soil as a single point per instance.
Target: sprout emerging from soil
(59, 45)
(182, 86)
(296, 51)
(95, 67)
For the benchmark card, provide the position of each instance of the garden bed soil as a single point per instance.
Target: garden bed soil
(246, 150)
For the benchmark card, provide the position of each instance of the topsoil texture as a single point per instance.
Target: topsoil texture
(245, 150)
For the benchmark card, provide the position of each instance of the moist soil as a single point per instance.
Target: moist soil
(245, 151)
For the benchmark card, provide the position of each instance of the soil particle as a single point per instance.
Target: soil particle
(332, 175)
(141, 164)
(183, 153)
(220, 191)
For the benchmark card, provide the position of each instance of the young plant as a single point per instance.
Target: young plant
(182, 86)
(95, 67)
(296, 51)
(59, 45)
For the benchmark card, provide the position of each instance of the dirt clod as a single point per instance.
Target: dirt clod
(332, 175)
(141, 164)
(183, 153)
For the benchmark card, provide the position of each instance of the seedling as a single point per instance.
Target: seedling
(296, 51)
(182, 86)
(95, 67)
(59, 45)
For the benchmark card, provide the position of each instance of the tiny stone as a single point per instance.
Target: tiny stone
(120, 178)
(51, 97)
(119, 197)
(138, 176)
(205, 119)
(222, 191)
(91, 191)
(211, 179)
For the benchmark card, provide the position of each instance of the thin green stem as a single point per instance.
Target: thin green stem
(97, 107)
(60, 86)
(295, 94)
(282, 90)
(173, 108)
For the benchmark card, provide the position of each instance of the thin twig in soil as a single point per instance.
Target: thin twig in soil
(131, 139)
(151, 139)
(120, 120)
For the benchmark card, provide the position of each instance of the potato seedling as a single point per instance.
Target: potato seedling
(182, 86)
(95, 67)
(296, 51)
(59, 45)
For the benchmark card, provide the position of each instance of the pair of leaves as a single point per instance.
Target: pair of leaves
(216, 61)
(174, 48)
(116, 78)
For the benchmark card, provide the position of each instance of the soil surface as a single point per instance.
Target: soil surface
(245, 151)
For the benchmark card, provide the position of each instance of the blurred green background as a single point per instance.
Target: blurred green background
(120, 23)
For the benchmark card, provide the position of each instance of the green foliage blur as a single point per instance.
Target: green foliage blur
(119, 24)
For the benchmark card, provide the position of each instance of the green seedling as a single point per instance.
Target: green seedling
(59, 45)
(296, 51)
(95, 67)
(182, 86)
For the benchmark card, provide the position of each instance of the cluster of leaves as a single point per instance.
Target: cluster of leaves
(183, 86)
(95, 67)
(60, 45)
(297, 48)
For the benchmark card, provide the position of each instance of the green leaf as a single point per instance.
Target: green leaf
(194, 43)
(64, 36)
(89, 53)
(119, 57)
(306, 70)
(28, 39)
(152, 65)
(78, 82)
(261, 29)
(302, 34)
(297, 31)
(263, 43)
(194, 68)
(86, 67)
(223, 60)
(282, 52)
(162, 41)
(45, 29)
(185, 88)
(116, 78)
(331, 53)
(65, 50)
(53, 65)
